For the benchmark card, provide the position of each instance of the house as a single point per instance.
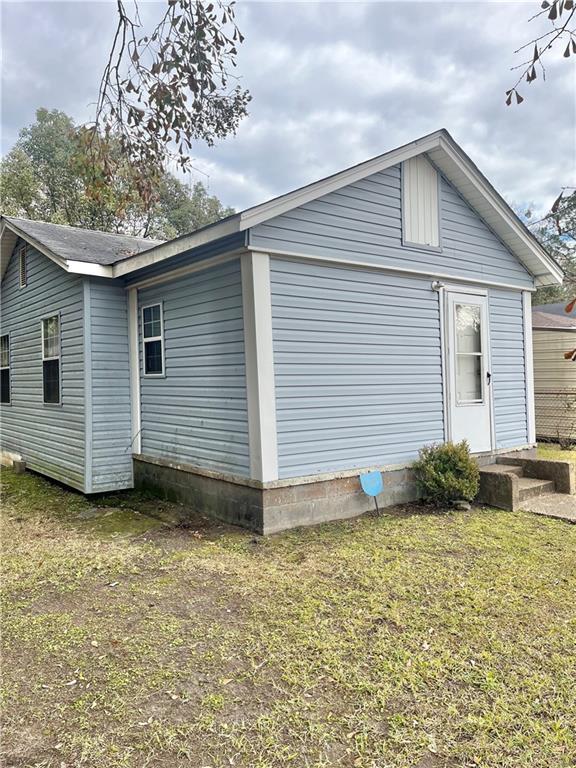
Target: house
(254, 368)
(554, 335)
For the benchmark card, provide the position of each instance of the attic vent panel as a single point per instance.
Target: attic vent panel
(420, 211)
(23, 267)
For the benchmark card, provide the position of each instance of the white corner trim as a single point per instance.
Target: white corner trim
(257, 306)
(444, 362)
(88, 389)
(529, 365)
(134, 370)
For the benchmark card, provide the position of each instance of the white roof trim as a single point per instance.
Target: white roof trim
(446, 155)
(441, 148)
(89, 268)
(177, 246)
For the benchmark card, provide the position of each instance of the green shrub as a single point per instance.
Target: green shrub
(447, 473)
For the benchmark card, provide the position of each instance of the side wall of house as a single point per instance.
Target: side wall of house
(197, 412)
(50, 438)
(362, 222)
(358, 367)
(108, 383)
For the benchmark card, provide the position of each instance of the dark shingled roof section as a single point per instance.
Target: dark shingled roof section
(83, 244)
(551, 320)
(552, 309)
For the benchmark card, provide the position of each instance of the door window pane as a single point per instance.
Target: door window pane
(468, 378)
(468, 331)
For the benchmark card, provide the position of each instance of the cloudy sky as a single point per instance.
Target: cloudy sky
(332, 84)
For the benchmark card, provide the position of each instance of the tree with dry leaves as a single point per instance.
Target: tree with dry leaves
(163, 90)
(560, 32)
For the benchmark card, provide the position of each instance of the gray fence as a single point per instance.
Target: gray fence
(556, 415)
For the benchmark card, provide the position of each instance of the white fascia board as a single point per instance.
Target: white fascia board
(175, 247)
(552, 274)
(88, 268)
(261, 213)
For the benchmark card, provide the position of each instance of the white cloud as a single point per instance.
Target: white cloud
(332, 84)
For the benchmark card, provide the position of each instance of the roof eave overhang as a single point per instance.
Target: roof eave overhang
(9, 234)
(440, 148)
(493, 209)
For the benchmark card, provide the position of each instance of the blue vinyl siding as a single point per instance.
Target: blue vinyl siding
(207, 251)
(50, 438)
(362, 222)
(110, 387)
(358, 371)
(197, 413)
(508, 368)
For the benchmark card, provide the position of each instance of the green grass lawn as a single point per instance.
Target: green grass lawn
(411, 640)
(553, 451)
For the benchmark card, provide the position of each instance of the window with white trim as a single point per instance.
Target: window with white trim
(153, 340)
(5, 368)
(23, 265)
(51, 359)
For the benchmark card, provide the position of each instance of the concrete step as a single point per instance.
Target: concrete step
(528, 487)
(500, 468)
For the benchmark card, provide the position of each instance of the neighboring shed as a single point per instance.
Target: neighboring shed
(254, 368)
(554, 335)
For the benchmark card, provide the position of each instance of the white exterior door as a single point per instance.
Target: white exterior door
(469, 379)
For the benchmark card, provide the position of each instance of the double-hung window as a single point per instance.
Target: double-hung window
(153, 339)
(5, 368)
(51, 359)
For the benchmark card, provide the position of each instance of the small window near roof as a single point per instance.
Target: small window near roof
(5, 368)
(153, 335)
(51, 359)
(23, 256)
(420, 210)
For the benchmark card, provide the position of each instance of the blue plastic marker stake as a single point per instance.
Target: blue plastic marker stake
(372, 484)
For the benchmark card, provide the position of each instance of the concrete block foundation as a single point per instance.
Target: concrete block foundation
(268, 508)
(280, 504)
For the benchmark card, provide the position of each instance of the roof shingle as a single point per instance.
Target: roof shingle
(89, 245)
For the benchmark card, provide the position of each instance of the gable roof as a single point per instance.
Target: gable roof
(71, 245)
(542, 319)
(439, 147)
(445, 154)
